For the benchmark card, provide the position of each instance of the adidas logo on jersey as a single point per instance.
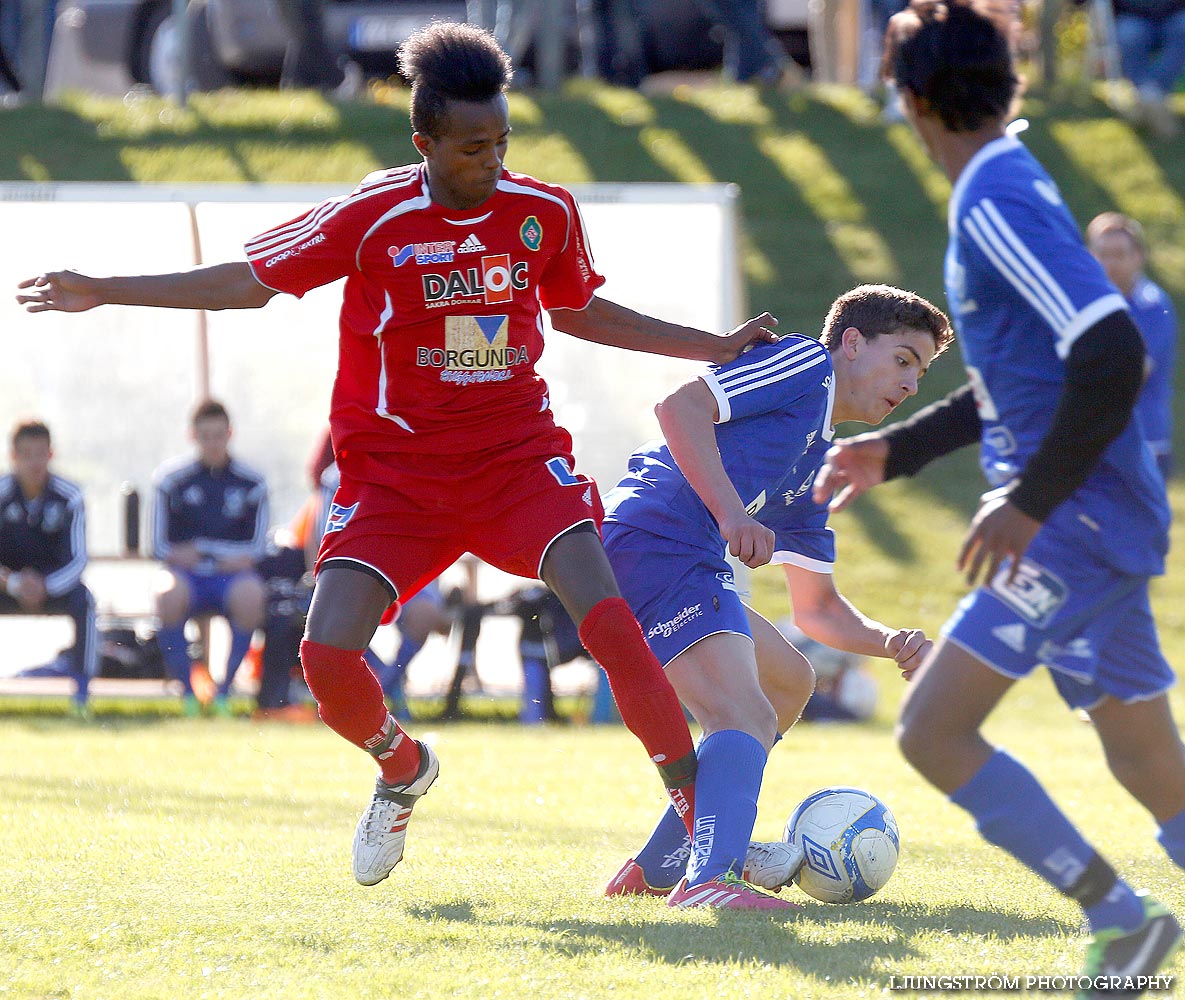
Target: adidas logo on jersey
(471, 244)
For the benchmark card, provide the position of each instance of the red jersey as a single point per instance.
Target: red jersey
(440, 327)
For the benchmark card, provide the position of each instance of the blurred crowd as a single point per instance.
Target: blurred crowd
(338, 47)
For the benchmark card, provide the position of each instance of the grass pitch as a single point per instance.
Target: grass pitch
(144, 857)
(149, 858)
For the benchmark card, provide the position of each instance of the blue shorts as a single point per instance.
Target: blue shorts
(207, 591)
(1090, 625)
(679, 594)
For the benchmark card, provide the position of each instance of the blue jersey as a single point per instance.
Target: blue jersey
(774, 429)
(1022, 288)
(224, 512)
(1153, 312)
(47, 533)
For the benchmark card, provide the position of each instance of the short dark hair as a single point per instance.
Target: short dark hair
(446, 61)
(879, 309)
(208, 409)
(955, 56)
(29, 430)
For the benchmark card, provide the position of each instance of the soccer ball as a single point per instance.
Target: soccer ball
(849, 841)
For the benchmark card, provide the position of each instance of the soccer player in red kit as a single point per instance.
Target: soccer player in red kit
(441, 426)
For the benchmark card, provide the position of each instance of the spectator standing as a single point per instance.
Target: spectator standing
(43, 549)
(1151, 39)
(1118, 243)
(209, 528)
(308, 59)
(752, 53)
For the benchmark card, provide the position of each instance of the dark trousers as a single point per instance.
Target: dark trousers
(79, 606)
(308, 62)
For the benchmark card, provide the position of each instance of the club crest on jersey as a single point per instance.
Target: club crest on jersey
(494, 282)
(339, 516)
(531, 233)
(425, 253)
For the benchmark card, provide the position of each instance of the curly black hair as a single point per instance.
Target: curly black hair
(446, 61)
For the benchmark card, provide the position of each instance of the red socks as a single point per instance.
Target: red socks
(645, 698)
(350, 701)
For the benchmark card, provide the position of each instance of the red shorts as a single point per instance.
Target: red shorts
(431, 510)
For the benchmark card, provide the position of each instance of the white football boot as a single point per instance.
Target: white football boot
(382, 830)
(771, 865)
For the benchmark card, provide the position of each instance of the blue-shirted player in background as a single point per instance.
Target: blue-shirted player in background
(1118, 243)
(209, 527)
(742, 445)
(1077, 519)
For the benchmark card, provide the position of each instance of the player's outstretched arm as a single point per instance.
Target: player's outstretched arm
(826, 616)
(606, 322)
(219, 286)
(688, 421)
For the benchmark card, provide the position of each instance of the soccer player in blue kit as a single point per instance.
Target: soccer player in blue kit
(1118, 243)
(1075, 524)
(743, 442)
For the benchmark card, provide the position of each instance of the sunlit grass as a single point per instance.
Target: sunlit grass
(149, 858)
(836, 205)
(1116, 157)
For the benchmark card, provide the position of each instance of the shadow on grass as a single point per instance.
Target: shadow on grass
(880, 933)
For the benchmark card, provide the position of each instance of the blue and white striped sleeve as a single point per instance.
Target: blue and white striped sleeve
(767, 377)
(1058, 278)
(67, 576)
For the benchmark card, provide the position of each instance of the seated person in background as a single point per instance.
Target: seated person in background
(43, 549)
(209, 528)
(1117, 242)
(1151, 39)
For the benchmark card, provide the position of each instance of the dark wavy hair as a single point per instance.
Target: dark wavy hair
(446, 61)
(955, 56)
(881, 309)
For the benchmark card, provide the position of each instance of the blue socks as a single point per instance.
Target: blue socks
(240, 642)
(536, 678)
(1013, 811)
(174, 650)
(664, 858)
(1172, 838)
(727, 783)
